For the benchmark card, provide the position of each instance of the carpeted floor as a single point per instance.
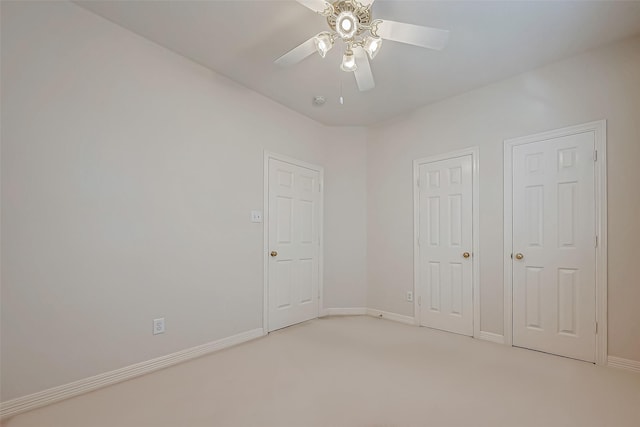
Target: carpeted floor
(360, 371)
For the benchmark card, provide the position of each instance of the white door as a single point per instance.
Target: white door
(554, 246)
(445, 242)
(294, 244)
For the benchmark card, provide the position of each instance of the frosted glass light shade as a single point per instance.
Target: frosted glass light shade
(323, 43)
(372, 46)
(346, 25)
(348, 62)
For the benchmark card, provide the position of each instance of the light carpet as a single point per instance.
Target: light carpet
(360, 371)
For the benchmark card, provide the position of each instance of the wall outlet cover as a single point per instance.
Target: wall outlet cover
(158, 326)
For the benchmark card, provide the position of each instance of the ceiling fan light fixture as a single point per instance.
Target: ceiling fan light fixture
(323, 43)
(352, 22)
(372, 46)
(348, 62)
(346, 25)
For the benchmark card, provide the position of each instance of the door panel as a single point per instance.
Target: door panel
(554, 230)
(532, 286)
(293, 278)
(445, 232)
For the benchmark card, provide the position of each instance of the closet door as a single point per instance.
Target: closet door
(445, 242)
(554, 253)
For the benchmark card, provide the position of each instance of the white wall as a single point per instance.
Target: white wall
(345, 248)
(128, 177)
(601, 84)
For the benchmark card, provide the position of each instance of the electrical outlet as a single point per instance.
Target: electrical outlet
(410, 296)
(158, 326)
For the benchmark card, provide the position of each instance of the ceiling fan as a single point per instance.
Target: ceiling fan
(351, 22)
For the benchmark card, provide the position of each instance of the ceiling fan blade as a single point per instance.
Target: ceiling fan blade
(319, 6)
(297, 54)
(363, 74)
(431, 38)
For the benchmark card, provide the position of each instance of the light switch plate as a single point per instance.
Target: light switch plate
(256, 216)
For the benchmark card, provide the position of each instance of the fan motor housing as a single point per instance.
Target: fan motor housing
(362, 14)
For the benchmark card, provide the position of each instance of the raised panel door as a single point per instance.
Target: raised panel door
(293, 275)
(445, 234)
(554, 246)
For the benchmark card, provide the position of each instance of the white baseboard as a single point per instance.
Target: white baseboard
(352, 311)
(490, 336)
(56, 394)
(391, 316)
(619, 362)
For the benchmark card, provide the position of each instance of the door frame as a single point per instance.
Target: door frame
(475, 211)
(265, 225)
(599, 128)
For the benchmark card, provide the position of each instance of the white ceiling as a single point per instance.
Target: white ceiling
(489, 42)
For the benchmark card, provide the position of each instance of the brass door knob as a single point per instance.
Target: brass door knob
(274, 253)
(519, 256)
(466, 254)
